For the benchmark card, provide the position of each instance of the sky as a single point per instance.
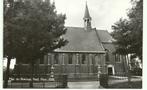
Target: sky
(104, 13)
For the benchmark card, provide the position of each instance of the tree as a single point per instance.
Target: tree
(32, 28)
(120, 33)
(128, 32)
(136, 22)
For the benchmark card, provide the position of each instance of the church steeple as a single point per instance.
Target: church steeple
(87, 19)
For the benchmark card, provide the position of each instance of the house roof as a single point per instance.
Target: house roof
(82, 40)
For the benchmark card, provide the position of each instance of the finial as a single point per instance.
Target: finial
(86, 2)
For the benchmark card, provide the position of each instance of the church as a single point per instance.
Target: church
(88, 51)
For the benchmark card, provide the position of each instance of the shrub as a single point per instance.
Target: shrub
(137, 71)
(104, 80)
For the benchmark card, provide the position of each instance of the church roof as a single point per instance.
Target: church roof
(87, 15)
(106, 40)
(104, 36)
(81, 40)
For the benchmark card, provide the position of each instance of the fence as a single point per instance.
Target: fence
(73, 71)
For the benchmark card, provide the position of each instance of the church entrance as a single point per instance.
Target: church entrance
(110, 71)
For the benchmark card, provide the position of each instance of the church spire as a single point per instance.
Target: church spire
(87, 19)
(86, 15)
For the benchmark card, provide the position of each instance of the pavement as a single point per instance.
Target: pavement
(71, 85)
(84, 85)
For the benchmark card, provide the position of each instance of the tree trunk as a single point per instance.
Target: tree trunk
(32, 72)
(126, 64)
(7, 73)
(129, 73)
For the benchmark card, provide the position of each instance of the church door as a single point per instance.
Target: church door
(110, 71)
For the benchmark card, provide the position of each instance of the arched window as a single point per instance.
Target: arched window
(83, 59)
(77, 58)
(70, 56)
(107, 55)
(97, 59)
(56, 57)
(93, 59)
(117, 58)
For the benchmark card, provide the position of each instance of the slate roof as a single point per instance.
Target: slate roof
(106, 39)
(104, 36)
(84, 41)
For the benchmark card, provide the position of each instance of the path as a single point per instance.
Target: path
(84, 85)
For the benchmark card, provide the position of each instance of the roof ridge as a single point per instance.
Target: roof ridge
(83, 28)
(73, 27)
(101, 30)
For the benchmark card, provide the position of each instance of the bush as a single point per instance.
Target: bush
(63, 80)
(104, 80)
(10, 73)
(137, 71)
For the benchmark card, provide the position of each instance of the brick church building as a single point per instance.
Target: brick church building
(88, 49)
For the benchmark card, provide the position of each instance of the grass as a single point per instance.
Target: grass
(133, 84)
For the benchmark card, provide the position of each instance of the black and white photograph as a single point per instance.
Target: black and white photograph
(72, 44)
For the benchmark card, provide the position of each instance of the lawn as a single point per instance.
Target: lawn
(135, 83)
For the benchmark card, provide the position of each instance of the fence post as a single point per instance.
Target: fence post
(129, 78)
(64, 80)
(98, 74)
(52, 74)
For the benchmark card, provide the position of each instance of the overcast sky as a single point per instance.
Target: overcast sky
(104, 13)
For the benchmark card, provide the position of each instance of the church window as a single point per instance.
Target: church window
(63, 58)
(49, 59)
(56, 57)
(70, 56)
(117, 58)
(107, 55)
(83, 58)
(97, 59)
(92, 57)
(78, 58)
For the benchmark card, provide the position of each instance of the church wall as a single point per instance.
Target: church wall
(119, 63)
(80, 66)
(115, 60)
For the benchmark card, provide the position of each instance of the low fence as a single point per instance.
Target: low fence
(73, 71)
(119, 76)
